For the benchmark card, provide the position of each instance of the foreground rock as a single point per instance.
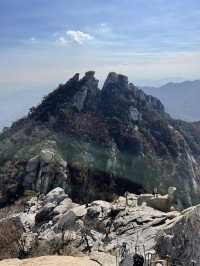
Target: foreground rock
(181, 238)
(53, 224)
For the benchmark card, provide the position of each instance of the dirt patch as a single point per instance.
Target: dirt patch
(51, 261)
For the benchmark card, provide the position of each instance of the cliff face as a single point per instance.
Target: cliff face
(113, 140)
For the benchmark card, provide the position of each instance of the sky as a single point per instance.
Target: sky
(44, 42)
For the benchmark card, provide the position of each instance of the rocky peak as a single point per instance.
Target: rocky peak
(120, 135)
(111, 78)
(86, 96)
(123, 80)
(90, 74)
(75, 77)
(89, 80)
(117, 80)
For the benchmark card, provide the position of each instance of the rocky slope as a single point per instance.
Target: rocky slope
(54, 224)
(98, 144)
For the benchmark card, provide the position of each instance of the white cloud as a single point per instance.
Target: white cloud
(72, 36)
(62, 41)
(78, 37)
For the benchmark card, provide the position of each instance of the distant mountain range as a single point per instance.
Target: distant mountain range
(181, 100)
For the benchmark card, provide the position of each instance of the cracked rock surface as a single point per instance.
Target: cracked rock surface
(53, 224)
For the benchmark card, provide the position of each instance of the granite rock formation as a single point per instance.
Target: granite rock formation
(108, 141)
(54, 224)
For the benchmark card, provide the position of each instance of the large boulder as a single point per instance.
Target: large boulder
(99, 207)
(55, 203)
(64, 206)
(70, 219)
(163, 203)
(56, 196)
(67, 221)
(46, 171)
(45, 214)
(79, 211)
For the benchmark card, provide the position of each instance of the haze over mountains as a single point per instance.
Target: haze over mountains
(181, 100)
(14, 104)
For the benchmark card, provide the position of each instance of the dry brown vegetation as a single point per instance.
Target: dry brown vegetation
(11, 241)
(10, 210)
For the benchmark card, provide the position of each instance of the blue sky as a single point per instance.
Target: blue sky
(43, 42)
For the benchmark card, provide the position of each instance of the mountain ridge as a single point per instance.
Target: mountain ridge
(113, 140)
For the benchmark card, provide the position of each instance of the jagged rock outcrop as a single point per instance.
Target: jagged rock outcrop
(53, 224)
(45, 171)
(110, 141)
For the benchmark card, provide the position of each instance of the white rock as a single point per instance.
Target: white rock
(79, 211)
(47, 156)
(56, 195)
(64, 206)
